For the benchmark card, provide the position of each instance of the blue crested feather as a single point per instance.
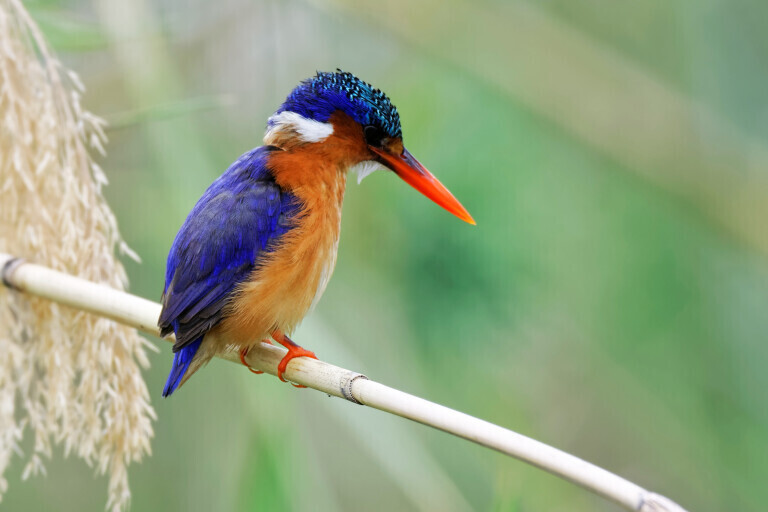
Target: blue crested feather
(319, 97)
(236, 221)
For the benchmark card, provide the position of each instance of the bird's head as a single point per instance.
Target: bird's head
(345, 118)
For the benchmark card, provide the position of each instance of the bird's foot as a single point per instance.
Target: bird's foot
(244, 352)
(294, 350)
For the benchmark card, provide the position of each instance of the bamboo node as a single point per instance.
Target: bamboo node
(346, 386)
(7, 271)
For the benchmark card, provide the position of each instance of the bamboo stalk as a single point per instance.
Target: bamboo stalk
(142, 314)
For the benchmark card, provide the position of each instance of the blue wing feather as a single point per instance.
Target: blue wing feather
(238, 219)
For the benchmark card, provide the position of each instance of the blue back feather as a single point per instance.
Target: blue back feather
(237, 220)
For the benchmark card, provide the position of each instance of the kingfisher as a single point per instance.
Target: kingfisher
(255, 254)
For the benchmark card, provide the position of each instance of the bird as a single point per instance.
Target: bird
(255, 253)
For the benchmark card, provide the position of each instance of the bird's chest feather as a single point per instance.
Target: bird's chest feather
(291, 279)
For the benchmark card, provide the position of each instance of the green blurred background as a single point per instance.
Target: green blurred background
(612, 300)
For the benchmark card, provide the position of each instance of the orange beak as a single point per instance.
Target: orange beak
(417, 176)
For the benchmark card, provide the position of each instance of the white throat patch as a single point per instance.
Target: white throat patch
(365, 168)
(290, 123)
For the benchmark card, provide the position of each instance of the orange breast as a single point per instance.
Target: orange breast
(282, 290)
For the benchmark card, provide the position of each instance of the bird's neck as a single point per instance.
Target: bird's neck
(317, 172)
(311, 174)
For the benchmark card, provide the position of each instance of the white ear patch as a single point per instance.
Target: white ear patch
(365, 168)
(309, 130)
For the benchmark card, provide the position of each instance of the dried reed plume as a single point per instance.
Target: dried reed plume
(69, 377)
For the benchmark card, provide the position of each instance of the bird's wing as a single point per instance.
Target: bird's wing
(221, 242)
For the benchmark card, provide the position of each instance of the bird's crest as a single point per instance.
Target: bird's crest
(318, 97)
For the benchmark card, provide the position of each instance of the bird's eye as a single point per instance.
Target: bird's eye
(373, 135)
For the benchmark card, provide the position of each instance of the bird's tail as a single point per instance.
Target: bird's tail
(181, 361)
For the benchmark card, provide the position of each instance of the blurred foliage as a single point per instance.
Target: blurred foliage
(600, 305)
(64, 31)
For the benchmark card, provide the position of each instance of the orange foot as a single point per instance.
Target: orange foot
(244, 352)
(294, 350)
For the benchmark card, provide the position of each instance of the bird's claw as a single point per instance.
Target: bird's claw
(293, 351)
(244, 352)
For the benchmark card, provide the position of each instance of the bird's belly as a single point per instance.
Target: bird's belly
(325, 274)
(282, 290)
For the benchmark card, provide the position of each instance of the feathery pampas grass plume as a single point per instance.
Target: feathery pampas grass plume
(68, 377)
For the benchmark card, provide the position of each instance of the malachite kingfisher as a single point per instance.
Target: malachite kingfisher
(256, 252)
